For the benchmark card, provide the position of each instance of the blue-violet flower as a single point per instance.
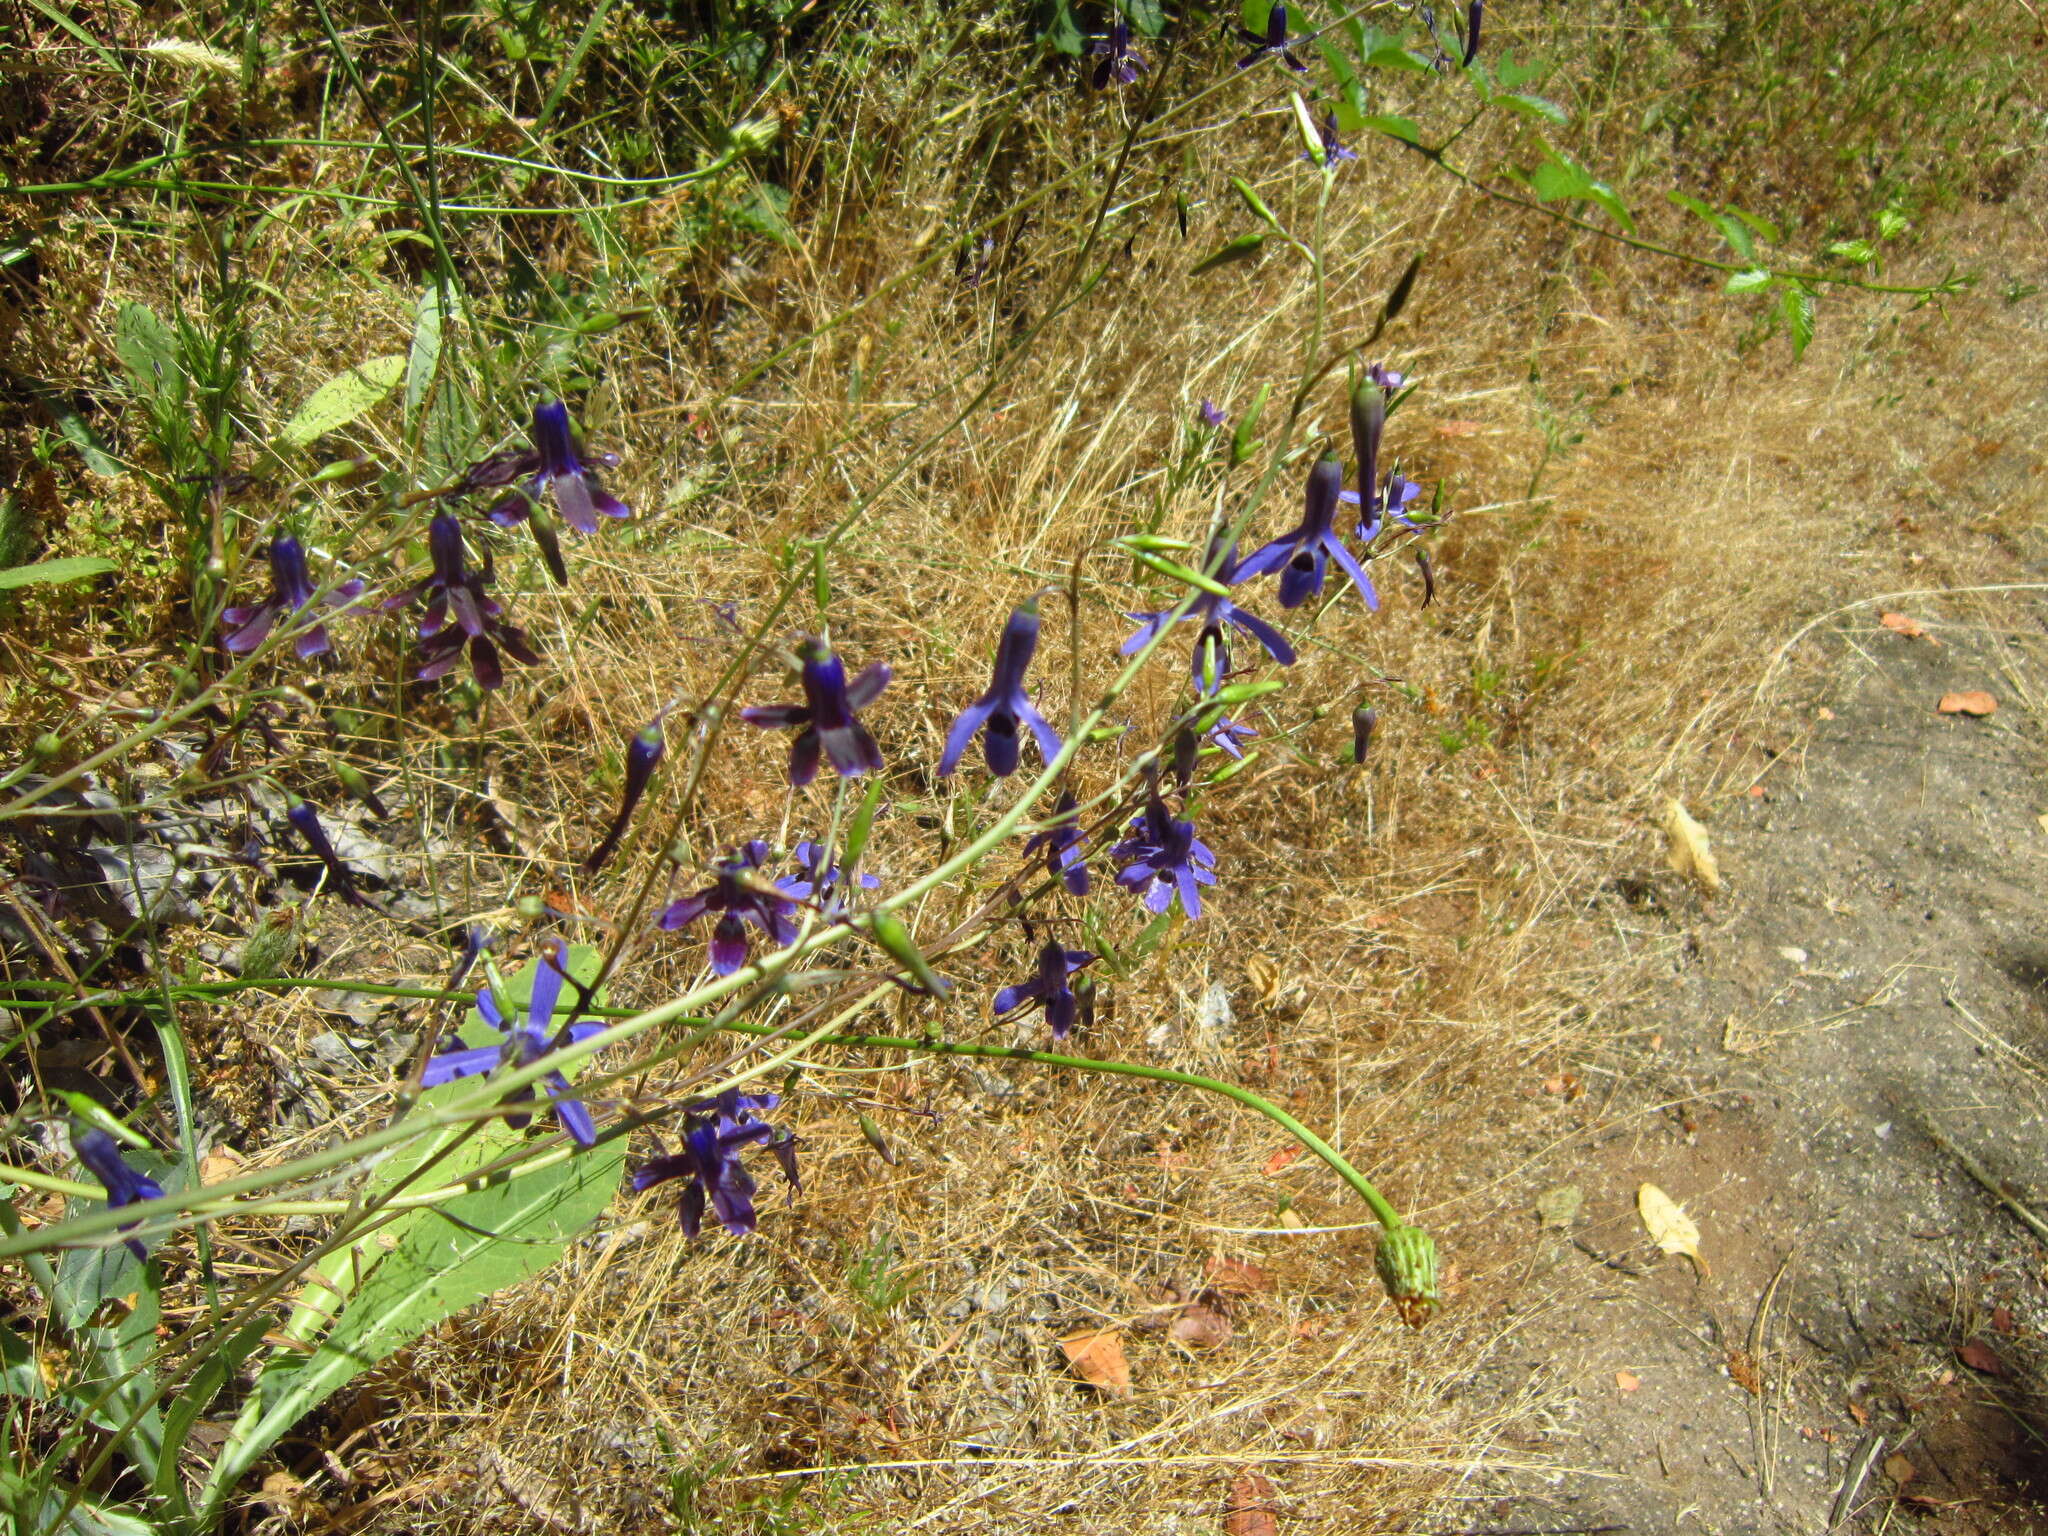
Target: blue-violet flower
(1275, 43)
(558, 470)
(715, 1132)
(291, 591)
(1212, 613)
(829, 716)
(102, 1157)
(1300, 556)
(1049, 988)
(1167, 860)
(1062, 840)
(740, 896)
(643, 755)
(1120, 61)
(1005, 707)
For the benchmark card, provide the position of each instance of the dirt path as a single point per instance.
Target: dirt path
(1873, 984)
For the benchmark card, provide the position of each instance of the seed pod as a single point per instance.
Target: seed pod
(873, 1133)
(1406, 1261)
(1185, 748)
(890, 933)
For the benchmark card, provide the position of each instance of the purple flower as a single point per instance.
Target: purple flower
(479, 624)
(1120, 61)
(306, 822)
(291, 591)
(1303, 552)
(811, 882)
(1005, 707)
(1364, 720)
(829, 716)
(1062, 840)
(524, 1044)
(577, 495)
(1212, 413)
(1167, 859)
(1230, 735)
(1473, 13)
(643, 755)
(1275, 43)
(1213, 614)
(1049, 987)
(102, 1157)
(741, 897)
(715, 1132)
(1333, 151)
(1392, 502)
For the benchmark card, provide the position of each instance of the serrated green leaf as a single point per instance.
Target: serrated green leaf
(1861, 252)
(149, 353)
(1891, 223)
(1146, 15)
(1555, 181)
(1539, 107)
(44, 572)
(1392, 126)
(766, 213)
(1606, 197)
(1511, 76)
(1243, 248)
(344, 398)
(1795, 307)
(1737, 234)
(1755, 280)
(1383, 50)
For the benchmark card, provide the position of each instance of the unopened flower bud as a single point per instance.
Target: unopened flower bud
(1364, 720)
(1406, 1261)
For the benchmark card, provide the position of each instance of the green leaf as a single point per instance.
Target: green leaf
(1243, 248)
(1062, 33)
(1393, 127)
(1737, 234)
(1755, 280)
(1511, 76)
(343, 398)
(40, 1507)
(1766, 230)
(766, 213)
(1350, 90)
(20, 1374)
(44, 572)
(79, 433)
(1861, 252)
(1561, 178)
(1150, 936)
(1539, 107)
(1891, 223)
(1383, 50)
(1146, 15)
(1795, 307)
(149, 353)
(1604, 195)
(421, 364)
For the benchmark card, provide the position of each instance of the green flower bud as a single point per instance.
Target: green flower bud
(1406, 1261)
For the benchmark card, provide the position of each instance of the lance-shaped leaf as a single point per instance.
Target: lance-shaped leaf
(344, 398)
(1243, 248)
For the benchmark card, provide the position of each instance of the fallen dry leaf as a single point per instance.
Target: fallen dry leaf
(1899, 1470)
(217, 1165)
(1097, 1357)
(1200, 1326)
(1743, 1372)
(1668, 1225)
(2001, 1320)
(1899, 624)
(1559, 1207)
(1249, 1510)
(1690, 853)
(1291, 1219)
(1238, 1277)
(1457, 428)
(1628, 1381)
(1283, 1158)
(1974, 701)
(1979, 1356)
(1858, 1412)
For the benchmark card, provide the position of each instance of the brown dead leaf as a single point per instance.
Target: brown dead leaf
(1743, 1372)
(1284, 1157)
(1628, 1381)
(220, 1163)
(1974, 701)
(1899, 1470)
(1979, 1356)
(1457, 428)
(1200, 1326)
(1097, 1357)
(1249, 1509)
(1899, 624)
(2001, 1320)
(1858, 1412)
(1238, 1277)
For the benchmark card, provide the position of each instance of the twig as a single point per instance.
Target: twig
(1977, 1171)
(1860, 1462)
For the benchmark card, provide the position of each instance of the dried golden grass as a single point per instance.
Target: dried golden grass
(1440, 931)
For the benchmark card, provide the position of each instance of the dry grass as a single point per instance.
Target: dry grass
(1406, 954)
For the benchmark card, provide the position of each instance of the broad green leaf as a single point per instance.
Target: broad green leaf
(149, 352)
(1861, 252)
(343, 398)
(1383, 50)
(1755, 280)
(1691, 204)
(1737, 234)
(1243, 248)
(1795, 306)
(39, 1507)
(1350, 107)
(1603, 194)
(45, 572)
(766, 213)
(438, 304)
(1511, 76)
(1062, 32)
(1145, 15)
(474, 1246)
(1393, 127)
(20, 1375)
(1539, 107)
(1554, 181)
